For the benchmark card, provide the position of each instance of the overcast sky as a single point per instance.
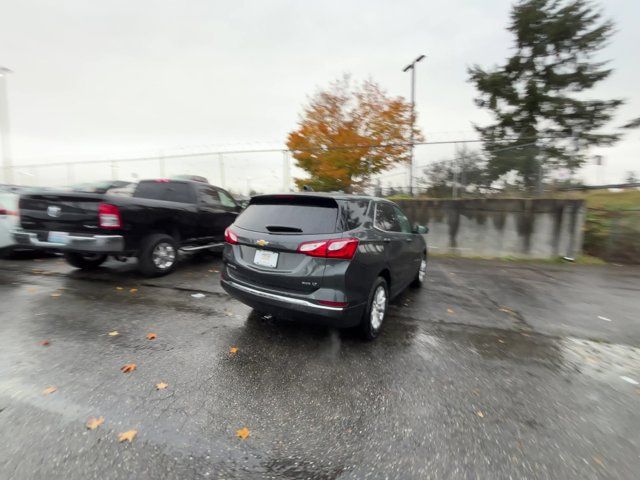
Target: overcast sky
(121, 78)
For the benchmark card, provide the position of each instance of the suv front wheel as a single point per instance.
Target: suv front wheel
(376, 310)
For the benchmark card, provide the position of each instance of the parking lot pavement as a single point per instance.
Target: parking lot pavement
(494, 370)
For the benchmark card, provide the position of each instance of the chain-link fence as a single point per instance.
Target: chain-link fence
(613, 235)
(446, 169)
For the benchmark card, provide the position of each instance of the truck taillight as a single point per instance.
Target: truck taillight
(230, 236)
(343, 248)
(109, 217)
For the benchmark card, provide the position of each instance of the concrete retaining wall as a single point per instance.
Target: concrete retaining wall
(531, 228)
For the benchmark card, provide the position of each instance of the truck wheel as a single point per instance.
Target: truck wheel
(158, 255)
(85, 261)
(376, 310)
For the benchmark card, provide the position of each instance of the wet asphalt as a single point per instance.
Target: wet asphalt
(493, 370)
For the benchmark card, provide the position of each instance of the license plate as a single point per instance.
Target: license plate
(58, 237)
(266, 258)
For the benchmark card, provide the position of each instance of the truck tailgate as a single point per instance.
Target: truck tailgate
(64, 212)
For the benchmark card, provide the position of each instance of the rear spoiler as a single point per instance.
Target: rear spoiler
(294, 199)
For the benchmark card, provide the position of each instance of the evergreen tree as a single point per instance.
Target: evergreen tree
(536, 96)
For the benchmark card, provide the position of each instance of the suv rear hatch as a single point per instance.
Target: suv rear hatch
(60, 211)
(267, 238)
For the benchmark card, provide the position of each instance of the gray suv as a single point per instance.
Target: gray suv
(332, 258)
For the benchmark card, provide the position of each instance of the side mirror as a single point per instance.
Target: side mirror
(421, 229)
(243, 204)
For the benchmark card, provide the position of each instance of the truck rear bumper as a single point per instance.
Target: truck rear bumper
(74, 243)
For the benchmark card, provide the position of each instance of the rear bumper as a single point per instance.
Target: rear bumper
(293, 308)
(74, 243)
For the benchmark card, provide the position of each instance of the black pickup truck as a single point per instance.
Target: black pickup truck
(162, 218)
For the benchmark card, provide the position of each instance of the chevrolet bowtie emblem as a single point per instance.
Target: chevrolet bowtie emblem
(262, 243)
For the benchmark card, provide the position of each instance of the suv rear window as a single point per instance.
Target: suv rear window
(282, 216)
(170, 191)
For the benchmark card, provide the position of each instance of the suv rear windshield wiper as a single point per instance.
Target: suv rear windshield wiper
(282, 229)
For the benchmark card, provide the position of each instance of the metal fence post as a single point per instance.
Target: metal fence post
(221, 164)
(70, 177)
(286, 180)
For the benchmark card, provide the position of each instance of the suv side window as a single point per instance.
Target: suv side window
(226, 200)
(353, 213)
(405, 224)
(386, 218)
(209, 196)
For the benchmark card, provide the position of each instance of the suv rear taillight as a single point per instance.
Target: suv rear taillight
(109, 217)
(344, 248)
(230, 236)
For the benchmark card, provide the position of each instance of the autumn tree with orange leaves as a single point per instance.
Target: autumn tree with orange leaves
(347, 133)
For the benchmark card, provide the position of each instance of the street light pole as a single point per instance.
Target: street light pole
(4, 126)
(412, 67)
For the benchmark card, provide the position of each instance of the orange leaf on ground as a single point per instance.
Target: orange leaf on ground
(129, 367)
(133, 290)
(127, 436)
(480, 414)
(151, 336)
(94, 423)
(161, 386)
(44, 343)
(243, 433)
(450, 311)
(49, 390)
(233, 350)
(118, 288)
(56, 295)
(114, 333)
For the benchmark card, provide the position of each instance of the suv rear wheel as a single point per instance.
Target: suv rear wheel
(376, 310)
(158, 255)
(85, 261)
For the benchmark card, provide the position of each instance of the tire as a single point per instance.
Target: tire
(158, 255)
(85, 261)
(421, 275)
(371, 322)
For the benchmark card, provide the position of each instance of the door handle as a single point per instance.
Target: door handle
(408, 239)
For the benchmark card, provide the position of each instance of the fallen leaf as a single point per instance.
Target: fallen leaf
(598, 460)
(233, 350)
(151, 336)
(450, 311)
(114, 333)
(56, 295)
(243, 433)
(44, 343)
(32, 290)
(127, 436)
(161, 386)
(94, 423)
(49, 390)
(119, 288)
(198, 295)
(500, 340)
(480, 414)
(133, 290)
(216, 271)
(476, 392)
(211, 271)
(507, 310)
(129, 367)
